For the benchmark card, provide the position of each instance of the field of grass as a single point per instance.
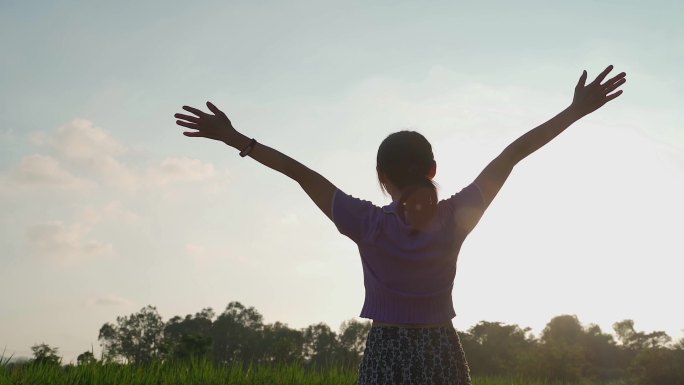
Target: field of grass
(199, 372)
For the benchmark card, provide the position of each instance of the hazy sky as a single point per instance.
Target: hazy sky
(107, 207)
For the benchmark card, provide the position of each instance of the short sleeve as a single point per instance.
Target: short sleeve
(353, 217)
(465, 208)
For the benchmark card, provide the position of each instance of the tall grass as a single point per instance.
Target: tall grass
(527, 381)
(4, 361)
(200, 372)
(195, 372)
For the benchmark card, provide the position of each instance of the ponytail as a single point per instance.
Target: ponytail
(406, 159)
(418, 203)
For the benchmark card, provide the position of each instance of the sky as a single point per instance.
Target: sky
(107, 207)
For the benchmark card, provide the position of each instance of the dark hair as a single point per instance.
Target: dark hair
(406, 158)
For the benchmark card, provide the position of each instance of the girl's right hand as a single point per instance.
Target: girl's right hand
(594, 95)
(217, 126)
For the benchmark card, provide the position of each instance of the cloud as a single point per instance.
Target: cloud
(41, 171)
(89, 150)
(112, 211)
(175, 170)
(65, 243)
(92, 152)
(441, 102)
(112, 300)
(81, 140)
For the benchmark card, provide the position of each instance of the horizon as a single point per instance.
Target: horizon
(108, 207)
(529, 332)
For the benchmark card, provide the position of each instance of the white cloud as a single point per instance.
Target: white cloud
(92, 152)
(65, 243)
(175, 170)
(81, 140)
(41, 171)
(114, 173)
(442, 102)
(112, 211)
(112, 300)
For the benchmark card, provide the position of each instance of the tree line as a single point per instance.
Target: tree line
(565, 350)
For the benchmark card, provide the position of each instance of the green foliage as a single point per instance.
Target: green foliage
(4, 361)
(320, 345)
(86, 358)
(634, 340)
(565, 352)
(352, 342)
(189, 337)
(659, 366)
(282, 344)
(204, 372)
(494, 348)
(189, 372)
(679, 344)
(43, 354)
(137, 338)
(236, 335)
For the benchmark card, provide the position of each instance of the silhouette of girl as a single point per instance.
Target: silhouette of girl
(409, 247)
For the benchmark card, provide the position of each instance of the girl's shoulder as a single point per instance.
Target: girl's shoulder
(354, 217)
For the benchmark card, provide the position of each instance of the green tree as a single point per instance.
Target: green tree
(237, 335)
(109, 340)
(44, 354)
(658, 366)
(679, 344)
(321, 346)
(137, 338)
(85, 358)
(602, 355)
(282, 344)
(494, 348)
(632, 339)
(561, 353)
(352, 342)
(189, 337)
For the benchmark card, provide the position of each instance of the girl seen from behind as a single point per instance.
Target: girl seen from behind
(409, 247)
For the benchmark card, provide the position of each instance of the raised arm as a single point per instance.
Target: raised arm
(219, 127)
(587, 98)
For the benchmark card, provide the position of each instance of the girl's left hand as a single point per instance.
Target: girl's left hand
(216, 126)
(588, 98)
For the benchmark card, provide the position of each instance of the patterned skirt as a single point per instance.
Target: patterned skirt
(397, 355)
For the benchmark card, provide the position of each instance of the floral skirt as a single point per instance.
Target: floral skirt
(397, 355)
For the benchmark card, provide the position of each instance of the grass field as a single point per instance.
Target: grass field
(201, 372)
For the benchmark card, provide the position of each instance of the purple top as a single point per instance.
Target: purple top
(408, 276)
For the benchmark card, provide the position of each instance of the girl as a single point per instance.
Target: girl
(409, 247)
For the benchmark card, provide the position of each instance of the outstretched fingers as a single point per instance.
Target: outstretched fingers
(194, 126)
(187, 124)
(602, 75)
(189, 118)
(612, 96)
(214, 109)
(615, 78)
(582, 80)
(610, 87)
(195, 111)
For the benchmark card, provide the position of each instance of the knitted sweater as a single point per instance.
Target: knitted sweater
(408, 275)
